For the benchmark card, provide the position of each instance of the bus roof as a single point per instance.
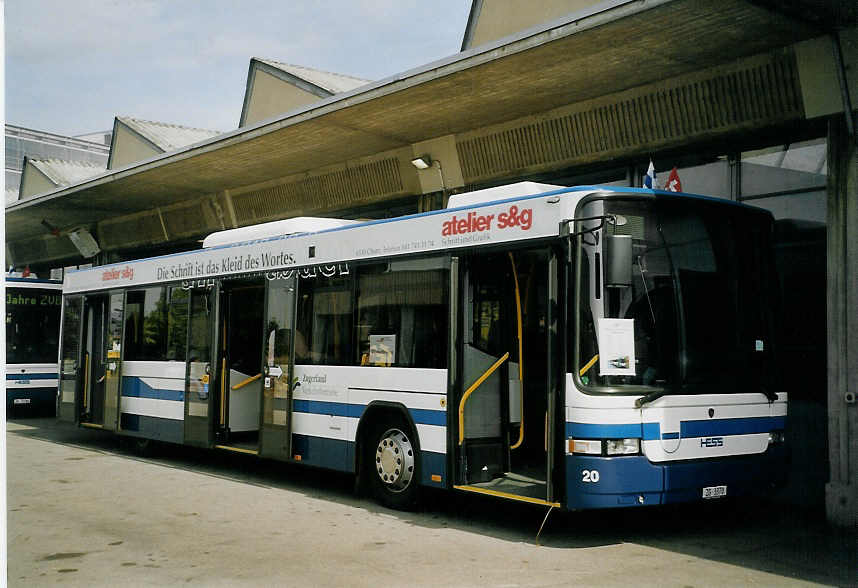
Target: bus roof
(289, 226)
(528, 216)
(17, 282)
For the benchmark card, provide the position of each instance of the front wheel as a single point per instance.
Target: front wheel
(392, 465)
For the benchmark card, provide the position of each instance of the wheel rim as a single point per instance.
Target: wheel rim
(394, 460)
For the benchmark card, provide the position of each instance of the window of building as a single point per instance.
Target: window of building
(788, 180)
(710, 179)
(402, 313)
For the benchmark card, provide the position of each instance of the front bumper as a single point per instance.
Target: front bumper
(635, 481)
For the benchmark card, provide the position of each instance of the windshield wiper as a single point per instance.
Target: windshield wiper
(655, 395)
(647, 398)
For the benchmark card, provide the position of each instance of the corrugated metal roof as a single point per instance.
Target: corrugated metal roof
(165, 136)
(332, 82)
(65, 173)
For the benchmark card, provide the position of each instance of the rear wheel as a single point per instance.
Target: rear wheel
(391, 465)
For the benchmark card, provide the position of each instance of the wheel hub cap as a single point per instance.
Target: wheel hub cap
(394, 460)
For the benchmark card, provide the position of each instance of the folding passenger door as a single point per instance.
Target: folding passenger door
(485, 352)
(277, 367)
(69, 395)
(94, 364)
(201, 367)
(112, 359)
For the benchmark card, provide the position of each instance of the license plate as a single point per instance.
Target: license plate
(714, 491)
(21, 401)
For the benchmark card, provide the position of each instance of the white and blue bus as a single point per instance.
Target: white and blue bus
(582, 347)
(32, 345)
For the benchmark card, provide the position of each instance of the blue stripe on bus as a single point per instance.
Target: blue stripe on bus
(420, 416)
(35, 281)
(651, 431)
(741, 426)
(687, 429)
(136, 388)
(329, 408)
(423, 416)
(599, 431)
(34, 376)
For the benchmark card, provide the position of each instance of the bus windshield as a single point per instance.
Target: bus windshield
(32, 325)
(676, 294)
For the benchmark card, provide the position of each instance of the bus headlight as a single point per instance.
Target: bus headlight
(622, 446)
(586, 446)
(776, 437)
(605, 446)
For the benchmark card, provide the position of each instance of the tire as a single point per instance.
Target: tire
(392, 464)
(144, 447)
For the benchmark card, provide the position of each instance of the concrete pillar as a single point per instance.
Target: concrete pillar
(841, 493)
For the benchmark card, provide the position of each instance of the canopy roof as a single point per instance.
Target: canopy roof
(614, 47)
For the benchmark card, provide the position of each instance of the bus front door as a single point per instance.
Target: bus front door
(200, 368)
(505, 399)
(277, 368)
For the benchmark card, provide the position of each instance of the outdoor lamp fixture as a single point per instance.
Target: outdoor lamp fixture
(425, 162)
(422, 162)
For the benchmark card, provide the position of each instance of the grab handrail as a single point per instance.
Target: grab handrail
(518, 443)
(470, 390)
(590, 364)
(249, 380)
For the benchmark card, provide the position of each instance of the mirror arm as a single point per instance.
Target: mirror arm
(611, 219)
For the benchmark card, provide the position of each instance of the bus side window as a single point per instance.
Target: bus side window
(324, 321)
(401, 314)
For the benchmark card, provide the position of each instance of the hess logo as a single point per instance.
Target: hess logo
(712, 442)
(477, 223)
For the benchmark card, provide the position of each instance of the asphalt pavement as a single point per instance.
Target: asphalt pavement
(85, 510)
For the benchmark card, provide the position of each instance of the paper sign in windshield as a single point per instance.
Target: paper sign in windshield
(616, 347)
(382, 349)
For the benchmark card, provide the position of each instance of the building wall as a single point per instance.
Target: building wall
(129, 148)
(500, 18)
(34, 182)
(270, 96)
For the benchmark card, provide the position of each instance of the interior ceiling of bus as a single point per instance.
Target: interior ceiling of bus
(626, 46)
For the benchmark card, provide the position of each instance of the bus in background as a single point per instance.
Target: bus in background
(32, 345)
(585, 347)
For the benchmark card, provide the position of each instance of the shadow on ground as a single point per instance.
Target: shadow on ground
(759, 534)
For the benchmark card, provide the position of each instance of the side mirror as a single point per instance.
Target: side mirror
(617, 251)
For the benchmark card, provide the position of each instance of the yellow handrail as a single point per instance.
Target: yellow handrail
(520, 355)
(590, 364)
(249, 380)
(470, 390)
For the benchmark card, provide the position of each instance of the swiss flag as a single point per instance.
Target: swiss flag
(673, 183)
